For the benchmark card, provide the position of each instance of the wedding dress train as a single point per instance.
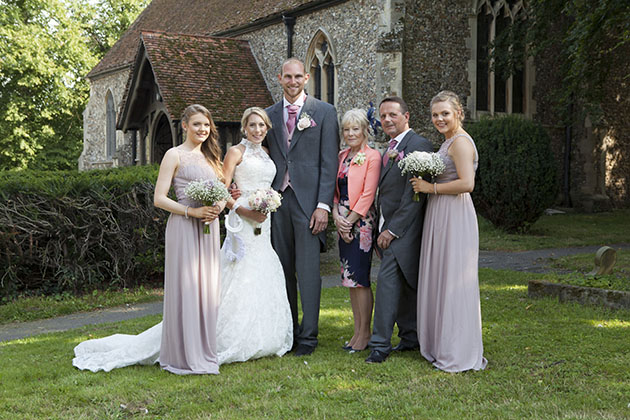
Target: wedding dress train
(254, 318)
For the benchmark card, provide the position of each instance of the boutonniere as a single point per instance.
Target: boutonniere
(305, 121)
(359, 159)
(395, 156)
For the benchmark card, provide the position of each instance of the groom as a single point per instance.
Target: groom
(303, 143)
(400, 227)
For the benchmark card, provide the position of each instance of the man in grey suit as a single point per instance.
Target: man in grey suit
(400, 227)
(303, 143)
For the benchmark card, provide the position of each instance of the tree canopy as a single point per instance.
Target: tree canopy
(46, 49)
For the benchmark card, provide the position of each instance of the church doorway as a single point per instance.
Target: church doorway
(162, 139)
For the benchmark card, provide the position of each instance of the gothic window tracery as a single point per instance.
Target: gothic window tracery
(501, 86)
(320, 64)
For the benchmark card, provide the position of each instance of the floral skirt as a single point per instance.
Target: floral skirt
(356, 257)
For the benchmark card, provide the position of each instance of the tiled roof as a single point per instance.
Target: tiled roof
(219, 73)
(193, 17)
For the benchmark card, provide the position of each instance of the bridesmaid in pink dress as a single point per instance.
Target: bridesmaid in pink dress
(191, 268)
(449, 310)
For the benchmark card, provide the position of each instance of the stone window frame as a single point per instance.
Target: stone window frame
(529, 105)
(110, 125)
(320, 55)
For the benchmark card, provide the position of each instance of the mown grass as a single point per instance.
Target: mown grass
(546, 361)
(581, 265)
(29, 308)
(560, 231)
(585, 263)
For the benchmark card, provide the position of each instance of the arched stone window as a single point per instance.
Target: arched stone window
(320, 64)
(110, 128)
(497, 88)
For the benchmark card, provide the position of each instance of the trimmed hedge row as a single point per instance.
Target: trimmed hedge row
(79, 231)
(516, 178)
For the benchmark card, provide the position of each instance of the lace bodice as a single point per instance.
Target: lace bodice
(450, 173)
(256, 169)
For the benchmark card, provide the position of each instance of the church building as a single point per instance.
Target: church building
(226, 56)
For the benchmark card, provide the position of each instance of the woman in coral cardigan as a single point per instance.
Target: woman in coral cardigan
(355, 217)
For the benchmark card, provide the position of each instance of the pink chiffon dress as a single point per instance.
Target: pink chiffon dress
(449, 310)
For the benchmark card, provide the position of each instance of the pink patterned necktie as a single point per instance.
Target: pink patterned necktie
(392, 145)
(292, 118)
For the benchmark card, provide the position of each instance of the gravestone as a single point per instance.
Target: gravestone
(605, 259)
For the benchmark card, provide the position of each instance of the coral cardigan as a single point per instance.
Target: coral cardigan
(362, 180)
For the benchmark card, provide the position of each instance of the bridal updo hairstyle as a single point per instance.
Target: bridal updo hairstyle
(359, 117)
(210, 148)
(258, 111)
(451, 98)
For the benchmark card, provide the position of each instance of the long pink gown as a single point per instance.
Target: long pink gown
(191, 281)
(449, 310)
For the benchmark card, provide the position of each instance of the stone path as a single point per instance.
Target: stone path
(532, 261)
(536, 261)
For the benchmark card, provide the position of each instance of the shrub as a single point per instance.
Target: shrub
(516, 178)
(70, 231)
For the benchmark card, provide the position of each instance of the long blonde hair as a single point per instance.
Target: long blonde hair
(210, 147)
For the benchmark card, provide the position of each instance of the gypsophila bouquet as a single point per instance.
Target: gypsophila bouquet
(421, 165)
(207, 192)
(264, 200)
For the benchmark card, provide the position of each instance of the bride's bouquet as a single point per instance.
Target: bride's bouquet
(208, 192)
(421, 165)
(264, 200)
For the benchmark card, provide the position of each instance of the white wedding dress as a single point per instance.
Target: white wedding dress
(254, 317)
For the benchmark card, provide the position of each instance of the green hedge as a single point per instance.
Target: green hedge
(516, 178)
(78, 231)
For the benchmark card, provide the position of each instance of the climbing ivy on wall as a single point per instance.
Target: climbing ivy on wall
(582, 35)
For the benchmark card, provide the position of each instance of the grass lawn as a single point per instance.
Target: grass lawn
(560, 231)
(580, 265)
(546, 361)
(40, 307)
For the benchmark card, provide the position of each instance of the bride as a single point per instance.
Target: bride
(254, 318)
(254, 314)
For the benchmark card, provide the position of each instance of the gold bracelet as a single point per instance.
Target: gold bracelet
(435, 188)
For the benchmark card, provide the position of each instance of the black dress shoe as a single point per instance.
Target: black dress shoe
(376, 357)
(346, 346)
(304, 350)
(353, 350)
(406, 347)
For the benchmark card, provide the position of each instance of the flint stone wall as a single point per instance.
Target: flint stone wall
(354, 28)
(436, 49)
(94, 154)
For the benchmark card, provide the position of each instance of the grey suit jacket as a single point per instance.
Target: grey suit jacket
(403, 216)
(312, 157)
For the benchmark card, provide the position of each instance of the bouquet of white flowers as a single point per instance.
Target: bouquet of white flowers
(421, 165)
(208, 192)
(264, 200)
